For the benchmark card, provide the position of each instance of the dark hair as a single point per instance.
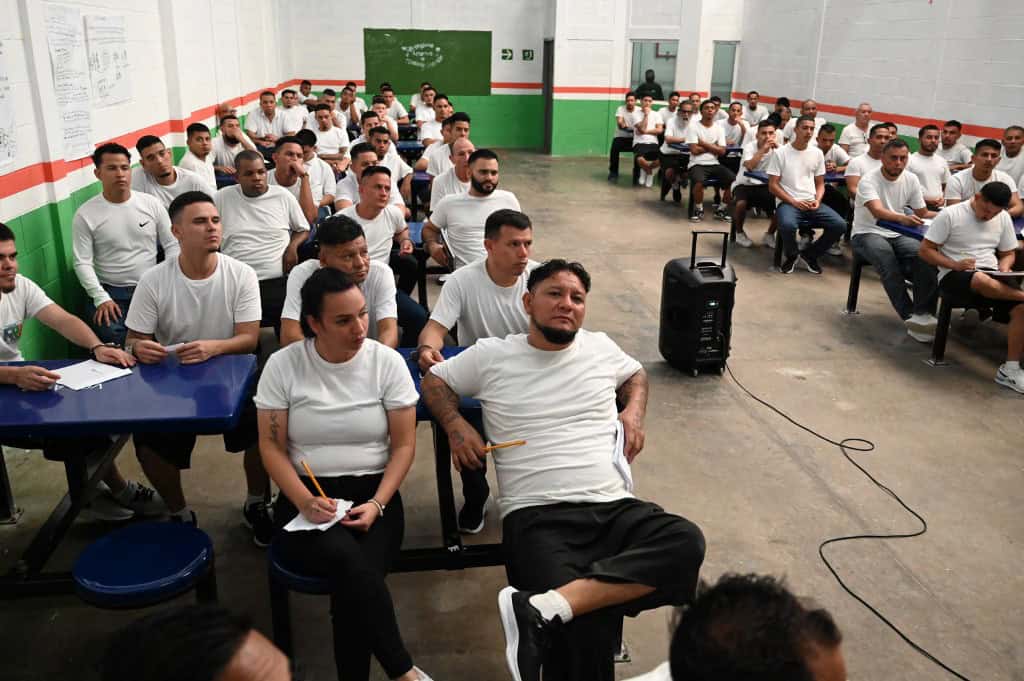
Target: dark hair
(351, 84)
(369, 113)
(775, 119)
(186, 199)
(890, 124)
(429, 88)
(894, 143)
(769, 122)
(990, 143)
(802, 118)
(439, 96)
(248, 155)
(284, 92)
(716, 99)
(1013, 127)
(505, 217)
(997, 193)
(146, 141)
(268, 92)
(6, 233)
(384, 84)
(457, 117)
(108, 148)
(482, 153)
(329, 92)
(387, 89)
(306, 137)
(953, 124)
(426, 82)
(287, 139)
(630, 94)
(380, 130)
(753, 92)
(748, 627)
(828, 127)
(673, 94)
(337, 230)
(706, 101)
(325, 280)
(377, 99)
(195, 129)
(553, 267)
(783, 101)
(305, 82)
(875, 128)
(369, 171)
(922, 131)
(321, 107)
(362, 148)
(229, 117)
(194, 642)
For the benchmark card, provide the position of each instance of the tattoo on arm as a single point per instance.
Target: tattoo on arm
(442, 400)
(633, 393)
(274, 427)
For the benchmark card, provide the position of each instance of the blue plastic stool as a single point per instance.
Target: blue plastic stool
(283, 580)
(145, 564)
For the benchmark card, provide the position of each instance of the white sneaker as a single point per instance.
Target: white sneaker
(921, 337)
(743, 240)
(1010, 379)
(650, 180)
(835, 249)
(423, 674)
(103, 507)
(643, 179)
(768, 241)
(922, 323)
(141, 499)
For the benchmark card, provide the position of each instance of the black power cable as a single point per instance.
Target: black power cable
(847, 445)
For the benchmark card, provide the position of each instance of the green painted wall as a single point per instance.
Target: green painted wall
(581, 127)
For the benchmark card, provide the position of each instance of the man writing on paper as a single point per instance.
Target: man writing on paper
(581, 549)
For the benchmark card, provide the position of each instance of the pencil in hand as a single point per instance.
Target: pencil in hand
(316, 483)
(503, 445)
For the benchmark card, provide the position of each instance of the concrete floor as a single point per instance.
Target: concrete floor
(765, 493)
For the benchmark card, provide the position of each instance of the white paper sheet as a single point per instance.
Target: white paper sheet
(70, 67)
(300, 524)
(619, 456)
(108, 60)
(8, 143)
(89, 373)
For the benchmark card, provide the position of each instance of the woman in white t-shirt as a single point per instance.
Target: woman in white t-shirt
(345, 406)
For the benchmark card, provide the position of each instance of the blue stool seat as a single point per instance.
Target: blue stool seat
(144, 564)
(307, 584)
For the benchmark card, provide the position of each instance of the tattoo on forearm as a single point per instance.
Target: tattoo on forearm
(633, 393)
(441, 400)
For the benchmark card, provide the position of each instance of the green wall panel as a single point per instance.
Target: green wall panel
(581, 127)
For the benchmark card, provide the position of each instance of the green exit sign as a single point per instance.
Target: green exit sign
(507, 54)
(527, 55)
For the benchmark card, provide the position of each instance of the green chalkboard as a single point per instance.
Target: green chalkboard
(455, 62)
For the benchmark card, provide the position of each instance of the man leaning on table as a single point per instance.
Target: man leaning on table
(199, 305)
(20, 300)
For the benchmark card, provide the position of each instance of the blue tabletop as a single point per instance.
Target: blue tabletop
(167, 397)
(919, 232)
(409, 145)
(832, 178)
(422, 413)
(421, 176)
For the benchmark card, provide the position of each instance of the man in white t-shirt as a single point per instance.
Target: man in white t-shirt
(808, 108)
(388, 157)
(430, 132)
(157, 176)
(336, 117)
(264, 126)
(746, 191)
(626, 117)
(425, 113)
(293, 115)
(965, 241)
(290, 173)
(836, 158)
(437, 157)
(868, 161)
(645, 141)
(484, 300)
(581, 549)
(796, 177)
(734, 126)
(114, 241)
(969, 181)
(1012, 162)
(395, 109)
(673, 161)
(22, 299)
(667, 113)
(883, 195)
(350, 106)
(227, 145)
(459, 219)
(707, 146)
(854, 138)
(322, 184)
(343, 246)
(754, 112)
(199, 304)
(306, 95)
(363, 156)
(956, 154)
(331, 141)
(380, 107)
(455, 180)
(198, 156)
(932, 170)
(263, 227)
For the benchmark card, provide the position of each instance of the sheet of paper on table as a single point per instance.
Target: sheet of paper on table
(619, 459)
(88, 374)
(300, 524)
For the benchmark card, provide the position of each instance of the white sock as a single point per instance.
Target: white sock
(184, 514)
(1011, 367)
(551, 603)
(254, 499)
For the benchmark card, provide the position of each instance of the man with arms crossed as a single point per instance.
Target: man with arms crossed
(645, 141)
(854, 138)
(956, 154)
(796, 177)
(931, 170)
(965, 240)
(485, 300)
(581, 549)
(626, 117)
(207, 304)
(753, 112)
(707, 145)
(969, 181)
(882, 195)
(673, 161)
(264, 125)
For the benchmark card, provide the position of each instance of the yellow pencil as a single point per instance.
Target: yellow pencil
(503, 445)
(313, 478)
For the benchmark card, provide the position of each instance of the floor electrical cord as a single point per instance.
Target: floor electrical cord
(847, 445)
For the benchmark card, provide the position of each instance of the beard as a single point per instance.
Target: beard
(485, 189)
(553, 335)
(230, 139)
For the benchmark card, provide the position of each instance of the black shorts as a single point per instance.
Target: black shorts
(700, 174)
(676, 161)
(756, 196)
(957, 285)
(272, 295)
(649, 152)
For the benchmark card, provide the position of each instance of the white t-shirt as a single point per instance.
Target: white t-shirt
(426, 115)
(862, 165)
(630, 118)
(24, 302)
(431, 130)
(650, 133)
(960, 234)
(378, 288)
(932, 171)
(348, 188)
(204, 169)
(836, 155)
(176, 309)
(790, 129)
(396, 110)
(438, 157)
(321, 179)
(115, 243)
(481, 308)
(316, 189)
(796, 170)
(446, 183)
(749, 151)
(856, 138)
(667, 114)
(337, 412)
(697, 132)
(734, 134)
(398, 167)
(676, 127)
(753, 117)
(185, 181)
(720, 115)
(257, 230)
(895, 195)
(257, 124)
(955, 155)
(562, 403)
(462, 217)
(331, 141)
(1014, 167)
(223, 153)
(292, 119)
(963, 186)
(338, 120)
(380, 231)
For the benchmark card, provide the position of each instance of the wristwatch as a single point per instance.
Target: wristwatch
(92, 350)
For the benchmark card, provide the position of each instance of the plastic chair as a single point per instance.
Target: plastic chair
(283, 580)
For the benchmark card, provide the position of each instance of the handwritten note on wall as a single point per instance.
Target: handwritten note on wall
(66, 41)
(108, 60)
(8, 146)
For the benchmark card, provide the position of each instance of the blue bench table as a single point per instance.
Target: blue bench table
(420, 181)
(168, 397)
(830, 178)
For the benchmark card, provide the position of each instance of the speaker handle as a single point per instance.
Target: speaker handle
(693, 246)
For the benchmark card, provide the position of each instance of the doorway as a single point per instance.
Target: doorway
(548, 79)
(722, 69)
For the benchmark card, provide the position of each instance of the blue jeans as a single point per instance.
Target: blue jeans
(896, 261)
(115, 331)
(411, 319)
(790, 220)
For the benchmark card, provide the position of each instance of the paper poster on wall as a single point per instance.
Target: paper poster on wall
(70, 67)
(108, 60)
(8, 146)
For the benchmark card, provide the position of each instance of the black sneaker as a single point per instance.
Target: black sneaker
(471, 518)
(698, 215)
(258, 519)
(527, 634)
(811, 263)
(613, 177)
(789, 264)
